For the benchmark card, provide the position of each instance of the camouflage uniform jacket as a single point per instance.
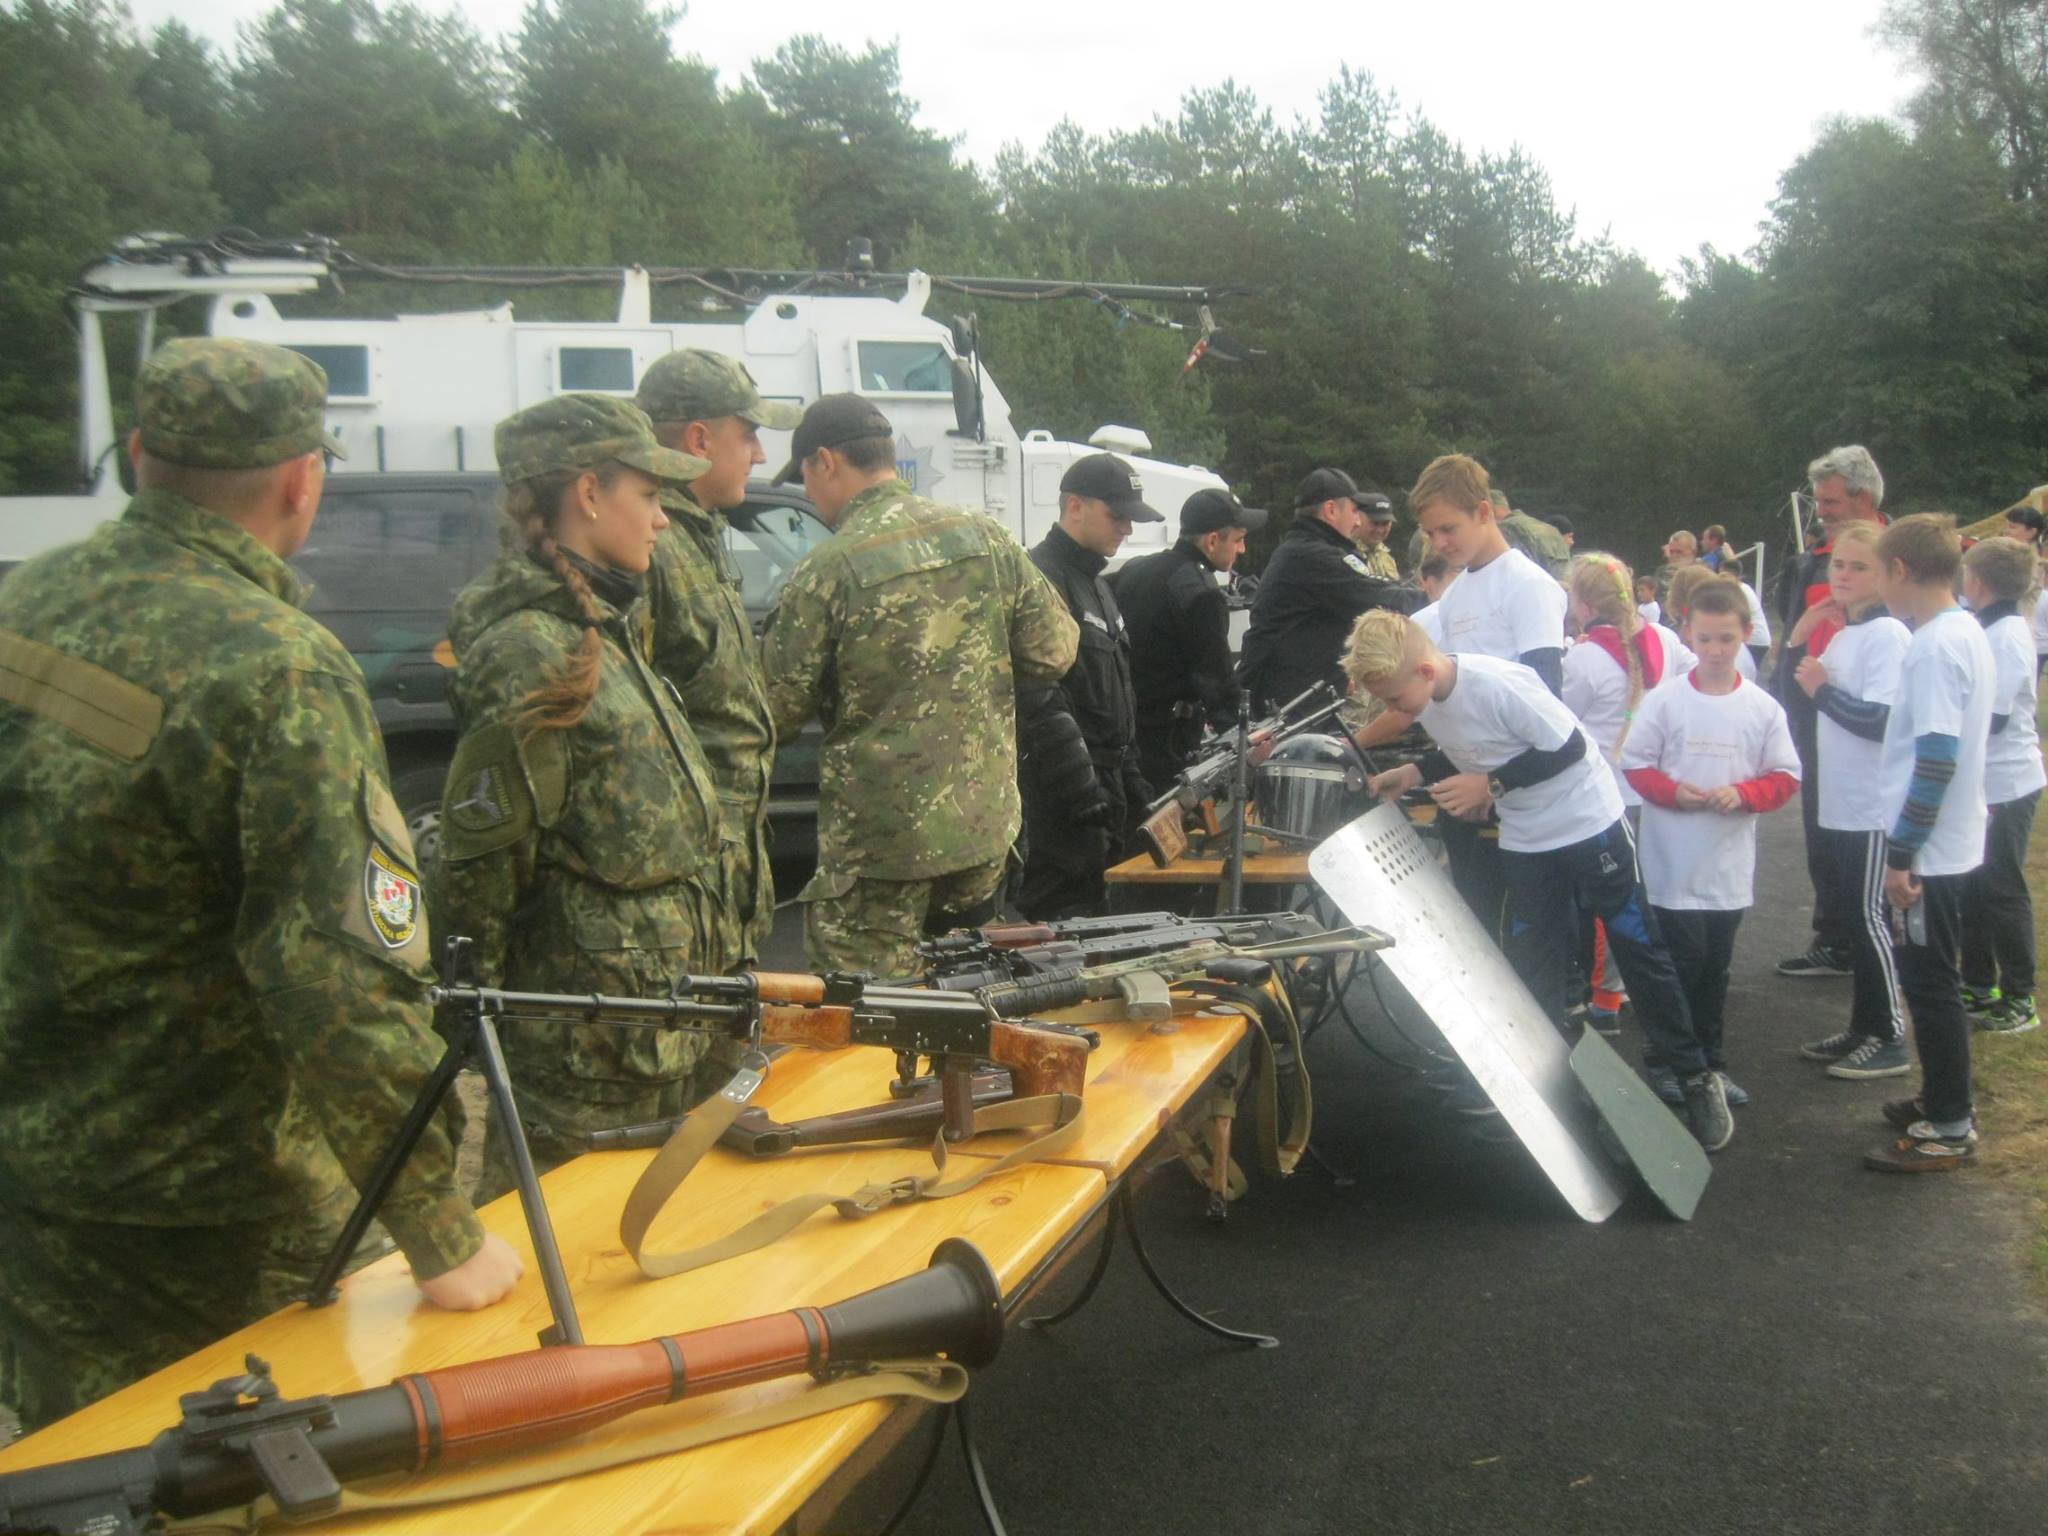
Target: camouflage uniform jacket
(703, 644)
(578, 860)
(1538, 540)
(1379, 560)
(213, 955)
(909, 632)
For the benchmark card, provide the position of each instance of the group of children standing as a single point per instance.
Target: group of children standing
(1627, 767)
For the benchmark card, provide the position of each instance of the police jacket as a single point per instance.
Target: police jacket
(1179, 628)
(1077, 733)
(1313, 590)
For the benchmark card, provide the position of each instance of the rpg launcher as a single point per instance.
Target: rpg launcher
(240, 1439)
(1188, 809)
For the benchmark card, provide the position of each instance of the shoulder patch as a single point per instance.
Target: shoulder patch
(392, 897)
(500, 790)
(1358, 565)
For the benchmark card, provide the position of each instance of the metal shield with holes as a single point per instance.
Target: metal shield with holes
(1378, 871)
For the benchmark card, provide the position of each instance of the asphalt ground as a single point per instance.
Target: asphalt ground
(1822, 1349)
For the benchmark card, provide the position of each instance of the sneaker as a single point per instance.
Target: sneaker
(1706, 1106)
(1834, 1048)
(1922, 1150)
(1736, 1093)
(1977, 1002)
(1873, 1058)
(1817, 961)
(1664, 1083)
(2009, 1016)
(1606, 1021)
(1900, 1114)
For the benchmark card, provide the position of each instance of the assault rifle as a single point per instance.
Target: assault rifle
(1165, 830)
(974, 958)
(958, 1034)
(241, 1440)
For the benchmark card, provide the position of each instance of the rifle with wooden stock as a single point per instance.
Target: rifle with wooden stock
(1166, 831)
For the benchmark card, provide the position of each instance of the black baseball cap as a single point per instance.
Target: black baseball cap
(1375, 506)
(1559, 521)
(1105, 477)
(1212, 510)
(833, 421)
(1321, 485)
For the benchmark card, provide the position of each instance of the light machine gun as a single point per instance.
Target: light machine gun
(1221, 774)
(240, 1440)
(959, 1034)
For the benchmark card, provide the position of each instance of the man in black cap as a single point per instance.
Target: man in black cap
(1375, 522)
(1313, 590)
(1179, 624)
(1075, 739)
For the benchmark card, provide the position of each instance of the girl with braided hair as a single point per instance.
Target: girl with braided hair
(579, 842)
(1620, 657)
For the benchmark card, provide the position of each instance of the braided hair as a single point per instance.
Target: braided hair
(533, 507)
(1606, 589)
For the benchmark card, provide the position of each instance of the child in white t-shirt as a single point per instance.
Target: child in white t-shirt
(1618, 658)
(1678, 609)
(1998, 910)
(1502, 739)
(1932, 782)
(1709, 753)
(1853, 689)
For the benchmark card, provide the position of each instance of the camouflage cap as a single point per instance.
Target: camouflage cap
(217, 402)
(578, 432)
(696, 385)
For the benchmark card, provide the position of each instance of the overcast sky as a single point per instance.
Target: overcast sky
(1668, 125)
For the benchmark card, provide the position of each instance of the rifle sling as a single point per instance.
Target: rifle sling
(1060, 1113)
(681, 1427)
(1265, 1008)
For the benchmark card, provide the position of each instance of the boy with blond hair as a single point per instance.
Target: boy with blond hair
(1998, 910)
(1504, 741)
(1932, 784)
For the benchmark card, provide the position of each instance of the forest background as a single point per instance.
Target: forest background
(1413, 297)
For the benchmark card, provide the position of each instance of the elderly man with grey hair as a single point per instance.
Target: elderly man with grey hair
(1847, 488)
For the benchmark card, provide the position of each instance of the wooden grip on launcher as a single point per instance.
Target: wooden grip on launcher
(492, 1406)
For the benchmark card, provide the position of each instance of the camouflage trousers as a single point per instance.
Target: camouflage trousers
(853, 923)
(88, 1307)
(745, 905)
(559, 1112)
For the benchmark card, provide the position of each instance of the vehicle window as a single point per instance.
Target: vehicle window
(347, 369)
(767, 541)
(905, 368)
(384, 567)
(607, 369)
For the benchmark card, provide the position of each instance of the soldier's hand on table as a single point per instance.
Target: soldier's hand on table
(1395, 782)
(1463, 795)
(482, 1278)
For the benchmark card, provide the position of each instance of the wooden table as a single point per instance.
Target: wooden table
(381, 1327)
(1259, 869)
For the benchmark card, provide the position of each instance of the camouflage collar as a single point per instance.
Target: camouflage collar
(883, 493)
(675, 500)
(193, 527)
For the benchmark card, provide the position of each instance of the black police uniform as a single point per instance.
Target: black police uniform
(1310, 594)
(1081, 784)
(1181, 672)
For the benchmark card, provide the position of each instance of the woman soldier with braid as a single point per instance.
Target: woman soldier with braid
(580, 830)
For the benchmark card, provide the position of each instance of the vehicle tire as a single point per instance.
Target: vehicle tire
(417, 789)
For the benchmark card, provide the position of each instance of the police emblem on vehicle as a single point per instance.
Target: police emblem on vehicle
(392, 896)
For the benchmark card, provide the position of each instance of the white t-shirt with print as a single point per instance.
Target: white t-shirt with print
(1864, 661)
(1497, 711)
(1941, 690)
(2012, 759)
(1596, 690)
(1504, 608)
(1705, 861)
